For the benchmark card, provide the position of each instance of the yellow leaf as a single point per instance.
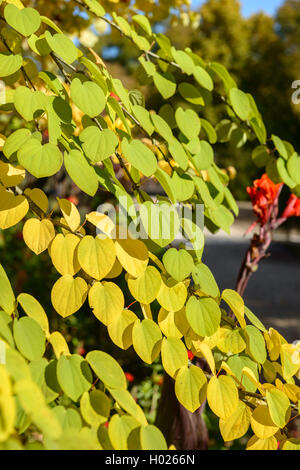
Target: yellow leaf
(290, 360)
(262, 444)
(133, 256)
(7, 405)
(146, 287)
(96, 256)
(222, 396)
(272, 338)
(236, 303)
(68, 294)
(279, 407)
(107, 301)
(101, 222)
(231, 341)
(12, 208)
(190, 387)
(172, 295)
(34, 310)
(174, 355)
(115, 270)
(291, 444)
(205, 350)
(11, 175)
(173, 323)
(59, 344)
(262, 424)
(237, 424)
(38, 197)
(38, 234)
(70, 213)
(63, 252)
(95, 407)
(146, 338)
(120, 329)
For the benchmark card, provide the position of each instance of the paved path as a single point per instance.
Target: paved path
(273, 292)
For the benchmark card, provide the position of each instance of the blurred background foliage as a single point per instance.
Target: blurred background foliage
(263, 55)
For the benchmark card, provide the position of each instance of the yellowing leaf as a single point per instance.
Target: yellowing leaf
(38, 234)
(231, 341)
(107, 301)
(34, 310)
(222, 396)
(38, 197)
(115, 270)
(102, 222)
(173, 323)
(262, 444)
(95, 407)
(290, 360)
(63, 251)
(70, 213)
(174, 355)
(279, 407)
(172, 295)
(203, 315)
(12, 208)
(120, 329)
(205, 350)
(7, 298)
(190, 387)
(291, 444)
(262, 424)
(68, 294)
(146, 287)
(127, 402)
(146, 338)
(236, 303)
(11, 175)
(96, 256)
(237, 424)
(7, 405)
(273, 342)
(59, 344)
(133, 256)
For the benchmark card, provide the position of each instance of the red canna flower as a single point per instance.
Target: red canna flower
(263, 194)
(129, 376)
(292, 207)
(73, 199)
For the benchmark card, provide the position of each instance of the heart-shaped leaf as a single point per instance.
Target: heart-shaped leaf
(9, 64)
(140, 156)
(88, 96)
(81, 172)
(179, 264)
(98, 145)
(40, 160)
(62, 46)
(29, 104)
(26, 21)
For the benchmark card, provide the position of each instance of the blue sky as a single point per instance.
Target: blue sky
(252, 6)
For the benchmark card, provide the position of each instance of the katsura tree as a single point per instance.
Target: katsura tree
(76, 116)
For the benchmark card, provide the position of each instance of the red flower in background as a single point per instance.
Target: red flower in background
(129, 376)
(190, 355)
(292, 207)
(263, 194)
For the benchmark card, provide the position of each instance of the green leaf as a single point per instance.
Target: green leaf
(188, 122)
(7, 299)
(34, 310)
(190, 93)
(253, 319)
(127, 403)
(203, 315)
(178, 153)
(203, 276)
(203, 78)
(81, 172)
(143, 22)
(160, 222)
(165, 84)
(140, 156)
(190, 387)
(121, 430)
(162, 127)
(143, 117)
(107, 369)
(95, 7)
(29, 104)
(88, 96)
(179, 264)
(95, 407)
(146, 338)
(40, 160)
(183, 185)
(62, 46)
(67, 418)
(29, 338)
(184, 61)
(26, 21)
(5, 331)
(98, 145)
(152, 438)
(9, 64)
(237, 363)
(205, 158)
(74, 375)
(256, 344)
(210, 131)
(293, 167)
(240, 103)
